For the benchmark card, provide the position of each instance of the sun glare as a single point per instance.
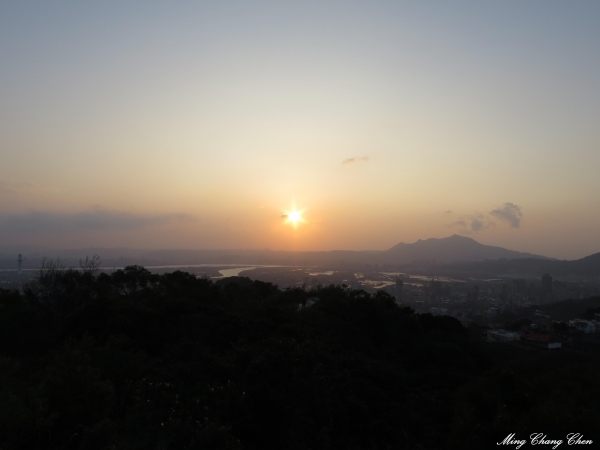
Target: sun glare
(293, 217)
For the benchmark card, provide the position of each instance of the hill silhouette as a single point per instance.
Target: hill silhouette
(588, 266)
(132, 359)
(451, 249)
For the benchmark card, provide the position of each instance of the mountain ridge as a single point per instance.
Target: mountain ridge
(453, 248)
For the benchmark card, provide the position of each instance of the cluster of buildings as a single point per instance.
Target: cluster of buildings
(494, 303)
(485, 301)
(586, 326)
(528, 337)
(577, 334)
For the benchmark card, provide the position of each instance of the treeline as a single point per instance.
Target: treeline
(134, 360)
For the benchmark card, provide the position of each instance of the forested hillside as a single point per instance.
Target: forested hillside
(134, 360)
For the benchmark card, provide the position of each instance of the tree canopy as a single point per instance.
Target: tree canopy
(134, 360)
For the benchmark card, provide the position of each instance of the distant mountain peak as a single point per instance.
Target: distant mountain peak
(453, 248)
(458, 236)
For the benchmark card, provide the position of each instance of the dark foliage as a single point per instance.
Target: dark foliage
(134, 360)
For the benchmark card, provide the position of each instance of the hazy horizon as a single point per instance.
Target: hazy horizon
(58, 252)
(205, 126)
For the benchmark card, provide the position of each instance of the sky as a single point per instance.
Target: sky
(190, 124)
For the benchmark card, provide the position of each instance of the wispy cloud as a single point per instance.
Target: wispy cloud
(510, 213)
(473, 223)
(355, 160)
(478, 225)
(12, 187)
(41, 222)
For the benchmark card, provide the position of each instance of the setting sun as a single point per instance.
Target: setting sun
(293, 217)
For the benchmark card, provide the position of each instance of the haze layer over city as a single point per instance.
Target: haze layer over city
(300, 126)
